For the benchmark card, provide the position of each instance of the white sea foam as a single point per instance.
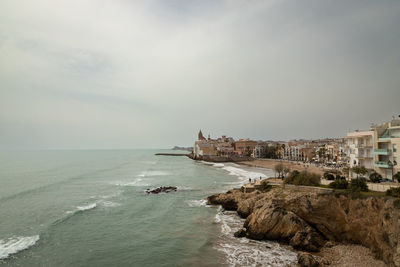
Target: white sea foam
(152, 173)
(206, 162)
(87, 207)
(246, 252)
(197, 203)
(110, 204)
(136, 182)
(218, 165)
(16, 244)
(243, 175)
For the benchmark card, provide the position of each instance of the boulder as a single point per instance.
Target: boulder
(240, 233)
(162, 189)
(305, 259)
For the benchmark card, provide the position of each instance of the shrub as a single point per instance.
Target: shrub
(303, 178)
(358, 185)
(397, 177)
(265, 186)
(394, 192)
(329, 176)
(339, 184)
(375, 177)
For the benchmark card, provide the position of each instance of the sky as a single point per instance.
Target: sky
(115, 74)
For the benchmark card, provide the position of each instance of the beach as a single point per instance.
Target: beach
(271, 163)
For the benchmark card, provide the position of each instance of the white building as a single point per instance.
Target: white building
(360, 147)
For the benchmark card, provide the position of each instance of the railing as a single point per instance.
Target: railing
(382, 151)
(382, 164)
(364, 145)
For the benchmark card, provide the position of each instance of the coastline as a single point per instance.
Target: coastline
(330, 234)
(271, 163)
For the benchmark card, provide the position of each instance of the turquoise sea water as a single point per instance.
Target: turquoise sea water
(89, 208)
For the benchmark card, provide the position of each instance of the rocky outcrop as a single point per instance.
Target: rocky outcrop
(307, 260)
(162, 189)
(307, 220)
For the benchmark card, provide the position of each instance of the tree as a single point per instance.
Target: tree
(279, 169)
(286, 171)
(248, 151)
(359, 170)
(346, 171)
(397, 177)
(375, 177)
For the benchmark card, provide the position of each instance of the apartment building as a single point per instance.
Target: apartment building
(387, 145)
(360, 145)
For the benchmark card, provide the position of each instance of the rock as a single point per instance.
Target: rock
(162, 189)
(305, 259)
(329, 244)
(325, 262)
(240, 233)
(308, 220)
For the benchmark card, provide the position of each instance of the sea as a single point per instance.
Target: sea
(90, 208)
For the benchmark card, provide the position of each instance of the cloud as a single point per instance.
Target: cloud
(122, 74)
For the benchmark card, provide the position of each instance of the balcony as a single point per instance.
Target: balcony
(364, 156)
(384, 139)
(382, 164)
(383, 151)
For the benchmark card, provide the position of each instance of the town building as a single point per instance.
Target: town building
(360, 145)
(244, 147)
(387, 145)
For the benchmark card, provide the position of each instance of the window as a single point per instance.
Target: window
(394, 148)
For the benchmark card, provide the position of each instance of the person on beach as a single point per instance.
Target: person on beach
(249, 180)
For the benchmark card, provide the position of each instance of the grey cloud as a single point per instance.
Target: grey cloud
(122, 74)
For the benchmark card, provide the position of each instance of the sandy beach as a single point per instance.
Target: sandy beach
(270, 164)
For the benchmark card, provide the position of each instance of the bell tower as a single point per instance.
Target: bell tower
(200, 136)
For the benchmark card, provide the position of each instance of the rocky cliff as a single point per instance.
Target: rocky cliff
(308, 220)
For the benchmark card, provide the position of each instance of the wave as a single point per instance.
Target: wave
(87, 207)
(243, 174)
(153, 173)
(246, 252)
(16, 244)
(136, 182)
(110, 204)
(218, 165)
(197, 203)
(79, 209)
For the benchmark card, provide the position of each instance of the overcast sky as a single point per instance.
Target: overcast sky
(149, 74)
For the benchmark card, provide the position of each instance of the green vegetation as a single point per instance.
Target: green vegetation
(339, 184)
(358, 185)
(329, 176)
(359, 170)
(303, 178)
(265, 186)
(397, 177)
(375, 177)
(394, 192)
